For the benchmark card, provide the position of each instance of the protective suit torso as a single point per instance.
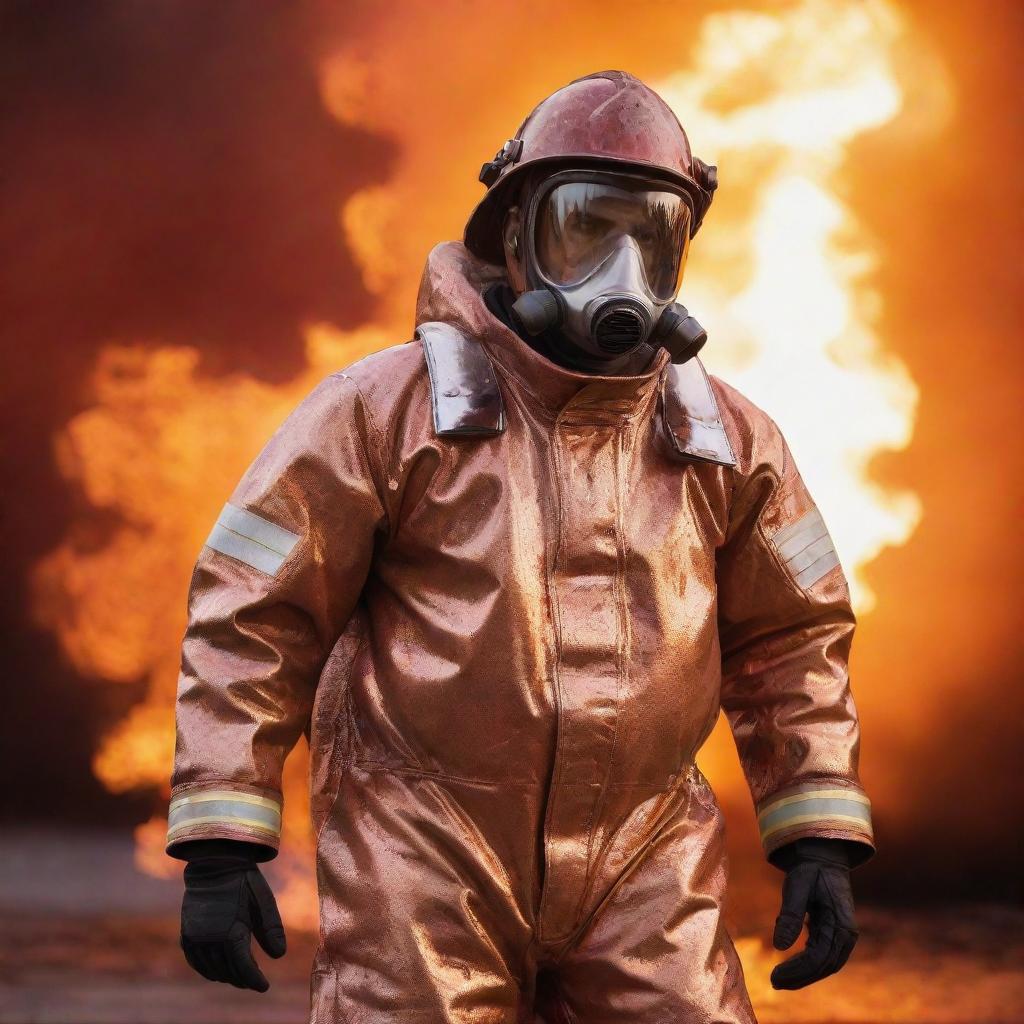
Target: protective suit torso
(507, 601)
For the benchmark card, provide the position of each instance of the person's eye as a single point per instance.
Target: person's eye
(587, 224)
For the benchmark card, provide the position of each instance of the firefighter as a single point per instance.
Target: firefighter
(504, 576)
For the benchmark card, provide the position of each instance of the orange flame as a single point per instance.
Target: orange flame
(779, 110)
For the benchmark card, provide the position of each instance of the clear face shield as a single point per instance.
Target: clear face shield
(604, 259)
(582, 224)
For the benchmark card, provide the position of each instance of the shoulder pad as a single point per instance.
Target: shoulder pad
(464, 395)
(692, 420)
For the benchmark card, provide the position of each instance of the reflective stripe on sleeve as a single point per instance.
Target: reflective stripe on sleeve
(806, 548)
(251, 539)
(828, 808)
(224, 807)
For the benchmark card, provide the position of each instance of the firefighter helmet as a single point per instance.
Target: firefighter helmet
(606, 120)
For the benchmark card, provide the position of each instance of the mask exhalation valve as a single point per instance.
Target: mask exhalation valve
(620, 326)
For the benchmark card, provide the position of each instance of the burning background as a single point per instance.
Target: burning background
(206, 207)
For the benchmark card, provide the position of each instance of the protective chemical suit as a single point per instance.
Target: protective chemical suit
(506, 601)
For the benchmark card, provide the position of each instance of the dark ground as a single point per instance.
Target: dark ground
(85, 939)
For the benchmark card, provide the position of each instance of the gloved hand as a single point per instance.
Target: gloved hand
(817, 885)
(226, 902)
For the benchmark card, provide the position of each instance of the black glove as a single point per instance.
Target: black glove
(227, 901)
(817, 885)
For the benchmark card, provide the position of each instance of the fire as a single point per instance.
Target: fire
(778, 111)
(162, 448)
(780, 275)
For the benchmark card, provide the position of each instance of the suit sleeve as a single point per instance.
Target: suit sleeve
(786, 626)
(274, 586)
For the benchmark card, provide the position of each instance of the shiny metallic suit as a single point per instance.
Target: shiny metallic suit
(506, 601)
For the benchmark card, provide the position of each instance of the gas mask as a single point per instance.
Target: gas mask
(603, 257)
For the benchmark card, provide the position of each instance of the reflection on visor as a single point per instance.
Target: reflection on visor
(581, 222)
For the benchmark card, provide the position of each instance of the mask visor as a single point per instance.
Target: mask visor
(579, 224)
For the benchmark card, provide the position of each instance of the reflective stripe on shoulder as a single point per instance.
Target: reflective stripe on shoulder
(806, 548)
(251, 539)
